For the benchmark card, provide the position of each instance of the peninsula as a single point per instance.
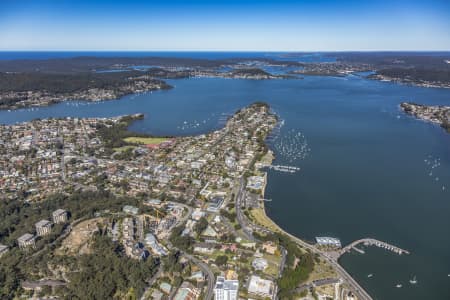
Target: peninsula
(86, 200)
(435, 114)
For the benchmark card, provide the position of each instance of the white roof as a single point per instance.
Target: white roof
(58, 212)
(25, 237)
(43, 223)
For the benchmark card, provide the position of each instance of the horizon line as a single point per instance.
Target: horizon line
(215, 50)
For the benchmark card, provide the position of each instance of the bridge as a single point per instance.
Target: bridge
(371, 242)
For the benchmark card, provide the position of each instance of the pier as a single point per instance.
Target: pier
(372, 242)
(281, 168)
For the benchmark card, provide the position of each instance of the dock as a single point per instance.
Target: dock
(372, 242)
(281, 168)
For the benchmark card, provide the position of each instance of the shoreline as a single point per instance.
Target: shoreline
(348, 279)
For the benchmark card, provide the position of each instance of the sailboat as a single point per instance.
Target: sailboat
(413, 281)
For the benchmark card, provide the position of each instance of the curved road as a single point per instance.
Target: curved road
(209, 274)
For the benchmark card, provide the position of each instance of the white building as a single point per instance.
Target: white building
(261, 287)
(26, 240)
(328, 241)
(156, 248)
(60, 216)
(226, 289)
(43, 227)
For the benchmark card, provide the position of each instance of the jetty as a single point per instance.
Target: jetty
(281, 168)
(372, 242)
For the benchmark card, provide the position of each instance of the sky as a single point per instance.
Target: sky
(230, 25)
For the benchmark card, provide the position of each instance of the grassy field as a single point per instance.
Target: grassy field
(322, 270)
(144, 140)
(260, 217)
(124, 148)
(273, 267)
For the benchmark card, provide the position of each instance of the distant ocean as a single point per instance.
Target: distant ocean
(305, 57)
(291, 56)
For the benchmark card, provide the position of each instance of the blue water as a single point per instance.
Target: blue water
(365, 174)
(305, 57)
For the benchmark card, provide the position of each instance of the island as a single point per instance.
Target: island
(435, 114)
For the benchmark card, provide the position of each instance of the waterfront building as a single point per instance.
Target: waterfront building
(26, 241)
(43, 227)
(226, 289)
(3, 249)
(328, 241)
(255, 183)
(60, 216)
(261, 287)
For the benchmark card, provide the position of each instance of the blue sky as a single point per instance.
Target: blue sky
(264, 25)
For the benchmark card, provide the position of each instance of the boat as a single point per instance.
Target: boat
(370, 275)
(413, 281)
(398, 286)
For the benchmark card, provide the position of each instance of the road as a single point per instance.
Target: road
(355, 287)
(152, 280)
(209, 274)
(239, 214)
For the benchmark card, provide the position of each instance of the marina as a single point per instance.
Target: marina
(372, 242)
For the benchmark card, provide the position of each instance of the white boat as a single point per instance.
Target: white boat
(413, 281)
(398, 286)
(370, 275)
